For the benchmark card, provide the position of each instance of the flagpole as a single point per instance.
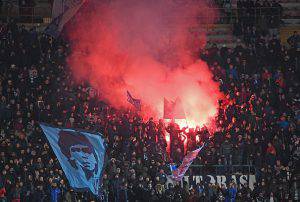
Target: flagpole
(184, 115)
(63, 6)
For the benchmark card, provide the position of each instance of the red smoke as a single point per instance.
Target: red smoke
(146, 47)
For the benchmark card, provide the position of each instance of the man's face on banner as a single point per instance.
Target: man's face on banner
(84, 156)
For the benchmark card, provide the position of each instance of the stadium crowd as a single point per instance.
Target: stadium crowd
(257, 125)
(255, 15)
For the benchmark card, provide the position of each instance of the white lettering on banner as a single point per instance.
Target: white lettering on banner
(212, 179)
(252, 180)
(197, 179)
(222, 179)
(243, 179)
(186, 178)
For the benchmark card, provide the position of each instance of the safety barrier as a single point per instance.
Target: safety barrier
(222, 169)
(42, 14)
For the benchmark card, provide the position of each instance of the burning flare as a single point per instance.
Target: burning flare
(146, 47)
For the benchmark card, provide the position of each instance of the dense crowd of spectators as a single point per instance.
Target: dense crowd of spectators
(257, 16)
(257, 125)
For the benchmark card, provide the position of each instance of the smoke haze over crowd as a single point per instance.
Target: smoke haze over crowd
(146, 47)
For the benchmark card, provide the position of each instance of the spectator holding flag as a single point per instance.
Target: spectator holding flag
(35, 88)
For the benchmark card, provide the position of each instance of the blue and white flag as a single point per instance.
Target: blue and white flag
(135, 102)
(80, 154)
(62, 12)
(173, 167)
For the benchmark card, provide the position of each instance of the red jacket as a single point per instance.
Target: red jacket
(271, 150)
(2, 192)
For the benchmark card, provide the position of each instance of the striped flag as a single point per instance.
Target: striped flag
(178, 173)
(62, 12)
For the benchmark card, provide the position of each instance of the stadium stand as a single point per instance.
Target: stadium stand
(258, 124)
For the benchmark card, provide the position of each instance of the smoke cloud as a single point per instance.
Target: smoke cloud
(148, 48)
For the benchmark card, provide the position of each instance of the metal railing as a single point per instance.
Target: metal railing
(26, 14)
(229, 15)
(223, 169)
(31, 14)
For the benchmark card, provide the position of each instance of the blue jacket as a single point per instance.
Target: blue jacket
(231, 194)
(55, 194)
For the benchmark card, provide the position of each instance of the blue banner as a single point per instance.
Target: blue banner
(81, 155)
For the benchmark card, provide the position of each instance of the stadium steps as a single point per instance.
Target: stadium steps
(291, 12)
(221, 34)
(291, 21)
(289, 1)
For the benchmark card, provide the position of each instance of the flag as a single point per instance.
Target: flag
(178, 173)
(173, 167)
(81, 155)
(168, 109)
(173, 110)
(135, 102)
(62, 12)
